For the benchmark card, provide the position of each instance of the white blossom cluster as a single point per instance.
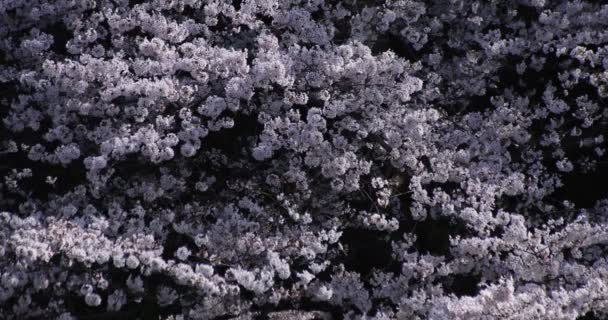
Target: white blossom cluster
(356, 159)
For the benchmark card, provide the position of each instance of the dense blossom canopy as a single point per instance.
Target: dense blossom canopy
(303, 159)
